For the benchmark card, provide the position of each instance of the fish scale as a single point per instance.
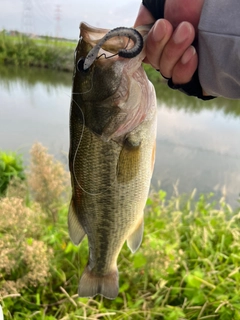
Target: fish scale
(111, 158)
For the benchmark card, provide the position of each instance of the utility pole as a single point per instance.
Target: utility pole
(58, 20)
(27, 17)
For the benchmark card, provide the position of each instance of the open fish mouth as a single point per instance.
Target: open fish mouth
(129, 47)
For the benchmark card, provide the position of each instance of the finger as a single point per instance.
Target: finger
(181, 39)
(176, 11)
(185, 67)
(144, 17)
(157, 38)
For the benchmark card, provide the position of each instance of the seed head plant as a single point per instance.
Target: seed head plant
(187, 267)
(25, 259)
(48, 180)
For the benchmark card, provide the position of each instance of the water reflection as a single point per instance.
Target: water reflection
(197, 142)
(29, 77)
(178, 101)
(34, 106)
(198, 150)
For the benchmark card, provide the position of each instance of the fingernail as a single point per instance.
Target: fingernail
(159, 30)
(181, 33)
(188, 54)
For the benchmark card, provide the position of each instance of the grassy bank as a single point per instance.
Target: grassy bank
(45, 52)
(187, 267)
(55, 54)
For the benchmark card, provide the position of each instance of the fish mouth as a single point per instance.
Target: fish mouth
(94, 30)
(92, 35)
(96, 33)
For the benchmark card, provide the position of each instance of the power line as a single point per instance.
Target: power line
(58, 20)
(44, 10)
(27, 17)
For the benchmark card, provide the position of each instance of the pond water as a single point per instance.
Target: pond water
(197, 142)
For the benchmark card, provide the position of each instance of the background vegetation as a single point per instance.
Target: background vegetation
(187, 267)
(24, 51)
(189, 261)
(55, 54)
(11, 165)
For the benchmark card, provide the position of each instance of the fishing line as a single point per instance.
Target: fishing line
(113, 55)
(105, 57)
(91, 80)
(130, 33)
(76, 70)
(75, 155)
(83, 126)
(75, 93)
(84, 91)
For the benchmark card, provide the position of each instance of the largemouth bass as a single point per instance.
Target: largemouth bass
(112, 150)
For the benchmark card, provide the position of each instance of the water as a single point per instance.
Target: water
(34, 106)
(197, 142)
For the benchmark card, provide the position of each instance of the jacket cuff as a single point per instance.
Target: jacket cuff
(192, 88)
(156, 7)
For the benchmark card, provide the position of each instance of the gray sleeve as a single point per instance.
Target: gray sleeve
(219, 48)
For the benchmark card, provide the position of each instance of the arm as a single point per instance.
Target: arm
(219, 48)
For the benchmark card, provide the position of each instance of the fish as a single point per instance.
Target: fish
(113, 120)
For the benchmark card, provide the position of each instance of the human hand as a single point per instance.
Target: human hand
(167, 49)
(168, 45)
(176, 11)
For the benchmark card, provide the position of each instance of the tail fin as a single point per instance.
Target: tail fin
(90, 285)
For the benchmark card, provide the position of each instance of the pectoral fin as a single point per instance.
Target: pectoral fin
(129, 159)
(135, 239)
(76, 231)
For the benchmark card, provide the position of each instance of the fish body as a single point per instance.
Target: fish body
(111, 156)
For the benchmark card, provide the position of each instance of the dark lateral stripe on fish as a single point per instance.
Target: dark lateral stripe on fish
(131, 33)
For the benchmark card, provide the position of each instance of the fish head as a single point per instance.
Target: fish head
(110, 91)
(101, 79)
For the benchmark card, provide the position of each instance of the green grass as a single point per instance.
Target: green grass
(45, 52)
(56, 42)
(11, 166)
(186, 268)
(42, 40)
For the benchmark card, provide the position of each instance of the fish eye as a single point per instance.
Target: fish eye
(80, 64)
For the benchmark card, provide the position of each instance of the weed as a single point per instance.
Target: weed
(11, 165)
(24, 51)
(187, 267)
(25, 260)
(48, 180)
